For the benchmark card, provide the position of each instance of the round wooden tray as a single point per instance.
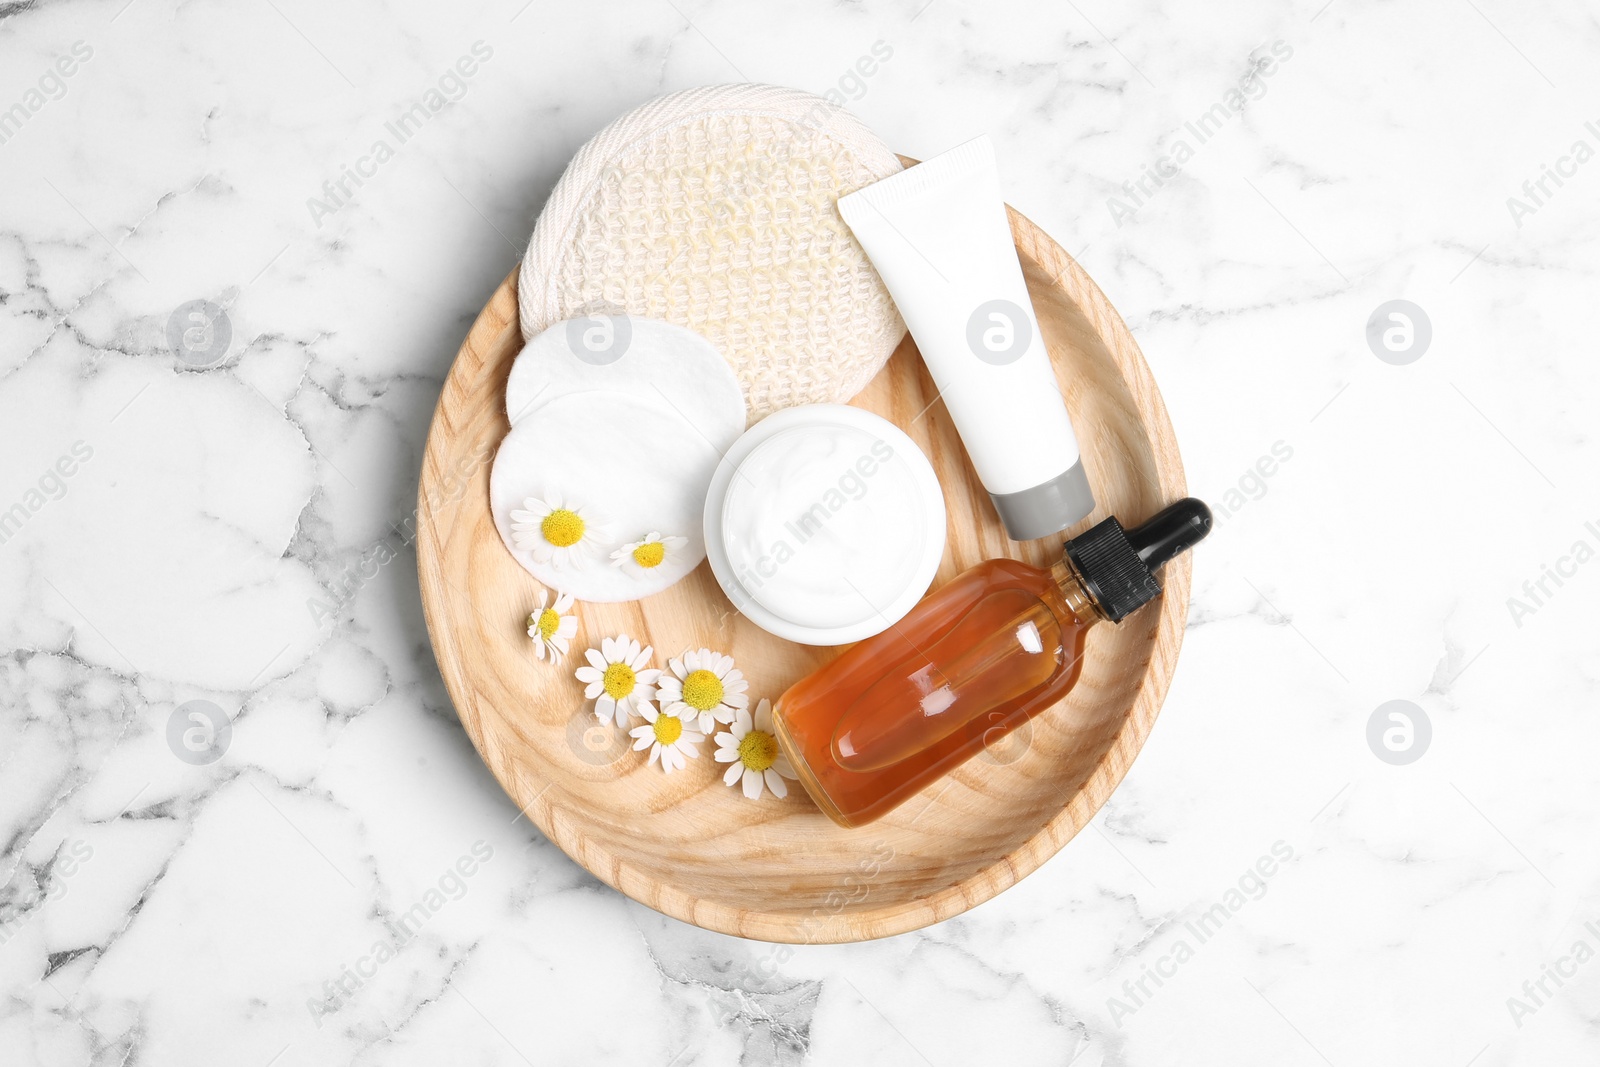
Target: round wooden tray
(691, 847)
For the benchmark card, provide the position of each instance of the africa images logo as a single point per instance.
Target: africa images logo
(448, 89)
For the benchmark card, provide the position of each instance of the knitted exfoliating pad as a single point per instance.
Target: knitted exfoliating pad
(715, 209)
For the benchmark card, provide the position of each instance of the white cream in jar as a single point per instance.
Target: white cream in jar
(824, 524)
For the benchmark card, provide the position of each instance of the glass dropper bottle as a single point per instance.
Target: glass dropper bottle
(993, 647)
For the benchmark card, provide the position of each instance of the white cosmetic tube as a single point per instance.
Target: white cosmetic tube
(938, 235)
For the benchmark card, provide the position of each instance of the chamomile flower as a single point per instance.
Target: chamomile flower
(668, 737)
(551, 626)
(640, 558)
(618, 680)
(560, 533)
(703, 686)
(751, 748)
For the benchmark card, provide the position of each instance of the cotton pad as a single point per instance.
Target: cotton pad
(715, 209)
(641, 357)
(625, 439)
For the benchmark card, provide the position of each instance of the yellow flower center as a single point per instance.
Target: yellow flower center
(668, 728)
(650, 555)
(618, 680)
(562, 528)
(758, 750)
(549, 622)
(702, 690)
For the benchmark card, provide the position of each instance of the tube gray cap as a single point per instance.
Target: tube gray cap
(1048, 507)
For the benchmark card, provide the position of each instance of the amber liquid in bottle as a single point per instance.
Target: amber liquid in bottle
(997, 645)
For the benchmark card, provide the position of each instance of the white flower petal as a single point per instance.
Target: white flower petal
(733, 775)
(775, 783)
(752, 784)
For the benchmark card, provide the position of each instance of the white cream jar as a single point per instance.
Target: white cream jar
(824, 524)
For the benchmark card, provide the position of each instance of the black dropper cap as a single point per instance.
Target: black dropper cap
(1117, 566)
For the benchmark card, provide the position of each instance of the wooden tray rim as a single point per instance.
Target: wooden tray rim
(467, 372)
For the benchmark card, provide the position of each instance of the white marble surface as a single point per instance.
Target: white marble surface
(158, 912)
